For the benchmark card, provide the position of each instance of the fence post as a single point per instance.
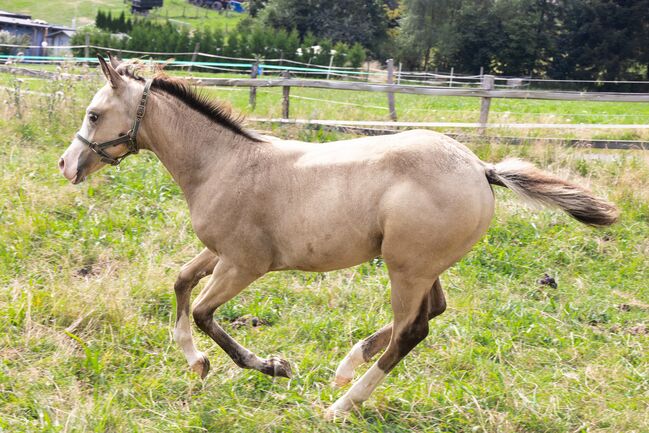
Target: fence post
(393, 111)
(487, 84)
(399, 74)
(252, 101)
(331, 62)
(86, 49)
(286, 90)
(196, 48)
(450, 80)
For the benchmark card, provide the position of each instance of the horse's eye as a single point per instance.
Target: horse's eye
(93, 117)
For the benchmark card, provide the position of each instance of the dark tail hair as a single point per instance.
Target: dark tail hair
(544, 188)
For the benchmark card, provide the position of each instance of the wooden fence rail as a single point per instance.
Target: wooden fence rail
(422, 90)
(486, 93)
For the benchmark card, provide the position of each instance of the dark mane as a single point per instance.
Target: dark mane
(182, 90)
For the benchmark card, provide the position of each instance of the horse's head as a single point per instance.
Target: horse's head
(109, 116)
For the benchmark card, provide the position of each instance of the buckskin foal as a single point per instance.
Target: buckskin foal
(261, 204)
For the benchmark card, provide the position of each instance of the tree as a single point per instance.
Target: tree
(363, 21)
(255, 6)
(291, 45)
(258, 42)
(340, 56)
(473, 40)
(427, 27)
(503, 36)
(120, 24)
(232, 46)
(308, 42)
(356, 55)
(601, 39)
(641, 46)
(219, 42)
(100, 19)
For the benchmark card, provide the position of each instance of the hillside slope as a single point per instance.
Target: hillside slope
(83, 12)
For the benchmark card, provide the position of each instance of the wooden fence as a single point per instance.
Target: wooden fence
(486, 93)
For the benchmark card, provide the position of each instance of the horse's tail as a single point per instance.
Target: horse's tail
(542, 187)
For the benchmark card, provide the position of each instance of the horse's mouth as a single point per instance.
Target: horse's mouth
(77, 179)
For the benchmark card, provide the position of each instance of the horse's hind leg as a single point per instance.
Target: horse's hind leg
(226, 282)
(366, 349)
(190, 274)
(410, 303)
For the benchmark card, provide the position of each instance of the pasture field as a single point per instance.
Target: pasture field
(87, 306)
(64, 11)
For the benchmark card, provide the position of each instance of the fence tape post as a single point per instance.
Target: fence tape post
(487, 84)
(86, 49)
(331, 62)
(393, 111)
(197, 47)
(286, 90)
(252, 101)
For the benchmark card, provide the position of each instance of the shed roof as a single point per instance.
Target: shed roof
(24, 22)
(14, 14)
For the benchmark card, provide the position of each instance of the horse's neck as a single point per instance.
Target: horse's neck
(192, 147)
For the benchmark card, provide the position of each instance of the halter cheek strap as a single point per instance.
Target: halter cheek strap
(129, 138)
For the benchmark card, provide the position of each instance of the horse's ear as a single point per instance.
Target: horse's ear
(114, 61)
(111, 75)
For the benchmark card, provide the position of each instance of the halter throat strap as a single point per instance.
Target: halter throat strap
(129, 138)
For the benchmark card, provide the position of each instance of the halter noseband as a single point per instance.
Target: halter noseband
(129, 138)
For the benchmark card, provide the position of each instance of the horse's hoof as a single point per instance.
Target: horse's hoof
(341, 381)
(340, 410)
(333, 414)
(275, 366)
(202, 366)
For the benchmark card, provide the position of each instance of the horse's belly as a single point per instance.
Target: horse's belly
(327, 250)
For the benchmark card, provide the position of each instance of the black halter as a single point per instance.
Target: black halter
(129, 138)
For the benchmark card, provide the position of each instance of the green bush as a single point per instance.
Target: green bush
(248, 40)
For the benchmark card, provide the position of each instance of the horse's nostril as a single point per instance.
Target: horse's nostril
(61, 164)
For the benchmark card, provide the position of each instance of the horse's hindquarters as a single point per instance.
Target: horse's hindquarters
(427, 228)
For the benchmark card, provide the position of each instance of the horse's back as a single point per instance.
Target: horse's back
(407, 147)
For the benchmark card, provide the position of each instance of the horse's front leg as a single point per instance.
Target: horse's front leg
(226, 282)
(190, 274)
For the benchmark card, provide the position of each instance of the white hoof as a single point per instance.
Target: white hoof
(339, 410)
(341, 381)
(336, 415)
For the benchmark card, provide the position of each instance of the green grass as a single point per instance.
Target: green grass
(84, 11)
(87, 307)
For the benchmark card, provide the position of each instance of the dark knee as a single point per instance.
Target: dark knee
(183, 282)
(437, 308)
(436, 300)
(203, 317)
(414, 335)
(417, 334)
(403, 344)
